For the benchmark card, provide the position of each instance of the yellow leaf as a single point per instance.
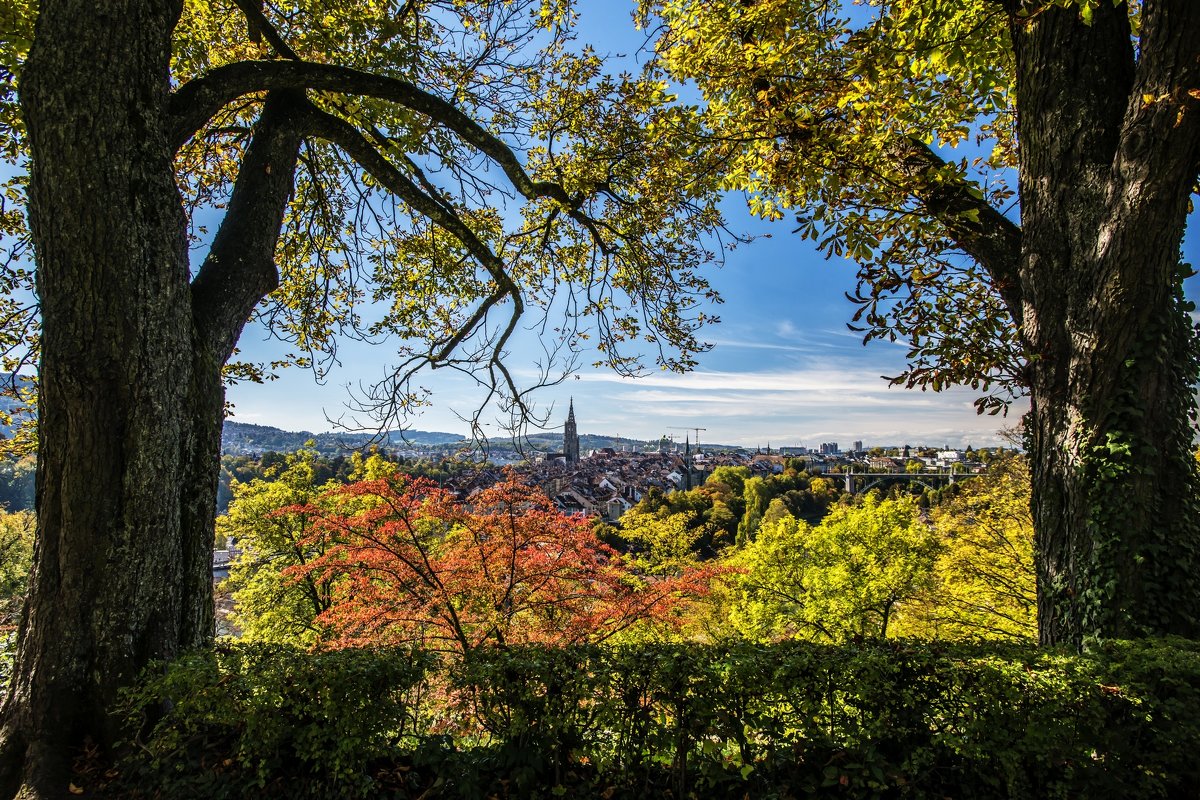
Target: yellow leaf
(1194, 93)
(73, 789)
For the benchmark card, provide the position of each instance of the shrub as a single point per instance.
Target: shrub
(902, 719)
(271, 720)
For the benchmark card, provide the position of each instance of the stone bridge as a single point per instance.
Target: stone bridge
(862, 482)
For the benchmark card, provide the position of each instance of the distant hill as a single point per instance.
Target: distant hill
(241, 437)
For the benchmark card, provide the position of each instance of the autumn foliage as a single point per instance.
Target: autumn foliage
(410, 564)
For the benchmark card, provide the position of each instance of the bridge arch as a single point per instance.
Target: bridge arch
(856, 483)
(882, 479)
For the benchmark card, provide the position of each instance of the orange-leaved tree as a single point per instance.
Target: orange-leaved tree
(411, 564)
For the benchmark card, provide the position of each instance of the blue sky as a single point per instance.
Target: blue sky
(785, 370)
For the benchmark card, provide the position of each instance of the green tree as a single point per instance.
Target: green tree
(16, 554)
(722, 521)
(851, 117)
(710, 523)
(734, 478)
(16, 482)
(757, 494)
(776, 511)
(985, 582)
(854, 575)
(767, 596)
(662, 545)
(811, 500)
(268, 605)
(341, 152)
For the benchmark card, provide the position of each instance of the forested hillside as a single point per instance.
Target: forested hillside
(242, 437)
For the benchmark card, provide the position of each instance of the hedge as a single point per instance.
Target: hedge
(902, 719)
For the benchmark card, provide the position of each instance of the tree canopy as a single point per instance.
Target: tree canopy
(406, 563)
(850, 576)
(1013, 179)
(886, 130)
(984, 577)
(269, 606)
(456, 166)
(16, 552)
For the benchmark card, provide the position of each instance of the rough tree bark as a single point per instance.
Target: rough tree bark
(116, 363)
(1108, 153)
(1110, 145)
(131, 397)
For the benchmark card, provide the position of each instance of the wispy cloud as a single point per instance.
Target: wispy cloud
(797, 397)
(824, 399)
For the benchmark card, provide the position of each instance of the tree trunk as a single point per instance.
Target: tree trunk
(1105, 177)
(115, 439)
(131, 398)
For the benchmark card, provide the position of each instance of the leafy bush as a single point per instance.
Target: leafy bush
(900, 719)
(16, 554)
(273, 721)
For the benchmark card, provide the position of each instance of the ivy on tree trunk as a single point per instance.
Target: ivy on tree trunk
(1109, 149)
(849, 121)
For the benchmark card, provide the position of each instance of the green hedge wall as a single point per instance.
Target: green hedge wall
(874, 720)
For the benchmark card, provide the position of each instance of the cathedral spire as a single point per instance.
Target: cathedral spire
(571, 436)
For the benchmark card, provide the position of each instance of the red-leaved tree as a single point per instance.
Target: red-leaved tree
(412, 565)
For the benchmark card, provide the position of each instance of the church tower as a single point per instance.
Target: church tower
(571, 436)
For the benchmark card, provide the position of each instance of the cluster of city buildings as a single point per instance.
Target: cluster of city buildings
(606, 483)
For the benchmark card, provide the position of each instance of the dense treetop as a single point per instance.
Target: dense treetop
(886, 130)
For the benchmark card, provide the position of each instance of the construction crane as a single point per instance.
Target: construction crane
(697, 430)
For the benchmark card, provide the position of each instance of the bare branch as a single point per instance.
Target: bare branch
(425, 201)
(346, 136)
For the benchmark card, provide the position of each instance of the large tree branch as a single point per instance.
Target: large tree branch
(197, 101)
(344, 135)
(240, 268)
(980, 230)
(1157, 162)
(341, 133)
